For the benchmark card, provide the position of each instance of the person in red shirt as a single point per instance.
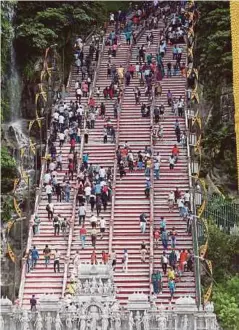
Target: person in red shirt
(156, 236)
(71, 169)
(91, 103)
(73, 145)
(105, 257)
(131, 69)
(114, 48)
(175, 152)
(183, 260)
(83, 236)
(93, 257)
(111, 92)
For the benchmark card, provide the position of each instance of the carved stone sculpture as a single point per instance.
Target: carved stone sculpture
(25, 321)
(48, 320)
(145, 320)
(1, 322)
(94, 317)
(105, 288)
(100, 287)
(209, 307)
(110, 286)
(105, 319)
(79, 287)
(131, 321)
(69, 323)
(93, 286)
(39, 322)
(83, 318)
(58, 323)
(138, 321)
(162, 321)
(86, 286)
(185, 322)
(117, 319)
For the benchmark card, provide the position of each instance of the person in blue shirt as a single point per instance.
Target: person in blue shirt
(34, 256)
(164, 238)
(97, 189)
(147, 187)
(162, 224)
(171, 286)
(128, 37)
(85, 160)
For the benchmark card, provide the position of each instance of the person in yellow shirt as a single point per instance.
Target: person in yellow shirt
(171, 274)
(120, 72)
(148, 167)
(71, 287)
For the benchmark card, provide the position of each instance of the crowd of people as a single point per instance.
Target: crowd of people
(94, 182)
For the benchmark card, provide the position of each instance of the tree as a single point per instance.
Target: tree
(226, 299)
(223, 251)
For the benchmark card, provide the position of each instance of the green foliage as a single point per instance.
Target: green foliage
(213, 57)
(6, 33)
(7, 208)
(41, 24)
(8, 170)
(223, 251)
(226, 299)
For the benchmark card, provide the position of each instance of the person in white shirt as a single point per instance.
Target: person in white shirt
(112, 18)
(102, 227)
(46, 179)
(56, 116)
(79, 94)
(93, 220)
(102, 173)
(157, 169)
(61, 138)
(77, 84)
(59, 161)
(180, 107)
(181, 206)
(49, 192)
(52, 166)
(98, 92)
(87, 194)
(158, 157)
(186, 198)
(170, 200)
(171, 162)
(61, 120)
(125, 260)
(81, 213)
(56, 256)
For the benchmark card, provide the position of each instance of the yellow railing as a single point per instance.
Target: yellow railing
(234, 9)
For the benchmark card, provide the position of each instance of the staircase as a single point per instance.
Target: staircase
(101, 154)
(130, 200)
(169, 180)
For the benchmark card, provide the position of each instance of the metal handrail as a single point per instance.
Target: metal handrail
(193, 207)
(151, 221)
(71, 232)
(111, 224)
